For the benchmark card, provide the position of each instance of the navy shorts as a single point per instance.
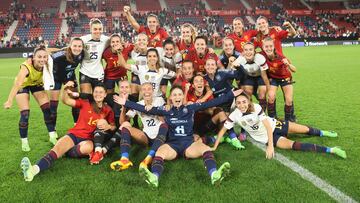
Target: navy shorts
(252, 81)
(180, 146)
(281, 130)
(58, 84)
(280, 82)
(75, 139)
(165, 81)
(135, 79)
(110, 84)
(87, 79)
(31, 89)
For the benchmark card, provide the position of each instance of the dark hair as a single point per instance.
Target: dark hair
(92, 100)
(68, 53)
(259, 34)
(201, 37)
(251, 105)
(169, 41)
(196, 75)
(153, 15)
(116, 35)
(95, 21)
(39, 48)
(176, 87)
(239, 18)
(157, 54)
(187, 61)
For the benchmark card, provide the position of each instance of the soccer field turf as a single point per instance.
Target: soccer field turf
(326, 96)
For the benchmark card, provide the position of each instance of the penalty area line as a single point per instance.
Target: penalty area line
(330, 190)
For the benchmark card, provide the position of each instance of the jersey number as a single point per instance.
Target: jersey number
(93, 55)
(180, 130)
(150, 122)
(254, 127)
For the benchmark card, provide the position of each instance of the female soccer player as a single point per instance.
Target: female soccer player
(280, 75)
(180, 138)
(152, 72)
(94, 113)
(64, 65)
(29, 79)
(91, 70)
(264, 31)
(153, 30)
(255, 73)
(229, 54)
(272, 132)
(153, 133)
(240, 36)
(187, 38)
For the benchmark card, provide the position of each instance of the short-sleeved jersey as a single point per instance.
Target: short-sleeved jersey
(33, 78)
(251, 123)
(192, 97)
(277, 36)
(91, 65)
(277, 69)
(171, 63)
(112, 70)
(180, 81)
(239, 41)
(64, 70)
(86, 124)
(139, 58)
(155, 39)
(153, 77)
(254, 67)
(224, 59)
(222, 81)
(199, 62)
(151, 123)
(184, 48)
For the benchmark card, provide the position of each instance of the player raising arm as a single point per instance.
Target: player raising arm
(272, 132)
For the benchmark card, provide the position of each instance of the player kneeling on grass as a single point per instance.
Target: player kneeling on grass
(30, 79)
(153, 133)
(272, 132)
(180, 119)
(78, 141)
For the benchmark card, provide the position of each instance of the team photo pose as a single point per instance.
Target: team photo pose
(77, 143)
(272, 132)
(153, 133)
(229, 54)
(30, 80)
(186, 41)
(239, 36)
(279, 73)
(180, 140)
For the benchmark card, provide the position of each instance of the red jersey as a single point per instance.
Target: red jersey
(199, 62)
(155, 39)
(86, 124)
(239, 41)
(276, 36)
(277, 69)
(182, 46)
(181, 81)
(193, 98)
(112, 70)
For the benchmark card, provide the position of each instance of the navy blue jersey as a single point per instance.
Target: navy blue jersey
(222, 81)
(64, 70)
(181, 120)
(225, 59)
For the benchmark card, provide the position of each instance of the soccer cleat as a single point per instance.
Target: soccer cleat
(26, 168)
(221, 140)
(237, 144)
(341, 153)
(145, 163)
(329, 133)
(25, 147)
(53, 137)
(220, 174)
(121, 164)
(96, 157)
(149, 177)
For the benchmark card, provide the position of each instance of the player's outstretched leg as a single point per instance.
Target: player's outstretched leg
(220, 174)
(149, 177)
(27, 169)
(125, 145)
(302, 129)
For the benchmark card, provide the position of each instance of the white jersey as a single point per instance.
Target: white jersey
(139, 59)
(254, 68)
(151, 123)
(251, 123)
(171, 63)
(153, 77)
(91, 65)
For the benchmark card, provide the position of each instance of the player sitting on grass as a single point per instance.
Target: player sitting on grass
(180, 138)
(272, 132)
(153, 133)
(78, 141)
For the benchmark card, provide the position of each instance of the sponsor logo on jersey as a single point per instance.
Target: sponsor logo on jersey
(218, 77)
(185, 110)
(147, 77)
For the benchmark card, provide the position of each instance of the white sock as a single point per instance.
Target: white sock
(24, 141)
(104, 150)
(35, 169)
(98, 149)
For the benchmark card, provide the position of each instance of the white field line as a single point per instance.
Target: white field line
(8, 77)
(332, 191)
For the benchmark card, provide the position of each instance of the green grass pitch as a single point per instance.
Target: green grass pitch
(326, 96)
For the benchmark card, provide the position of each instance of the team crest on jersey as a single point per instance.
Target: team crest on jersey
(86, 47)
(218, 77)
(185, 110)
(147, 77)
(243, 123)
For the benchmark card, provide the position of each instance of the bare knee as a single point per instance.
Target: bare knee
(87, 148)
(101, 122)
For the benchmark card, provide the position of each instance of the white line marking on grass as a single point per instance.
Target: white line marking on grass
(7, 77)
(332, 191)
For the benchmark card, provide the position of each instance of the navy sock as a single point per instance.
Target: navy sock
(288, 112)
(208, 140)
(209, 162)
(47, 161)
(24, 123)
(157, 166)
(314, 131)
(49, 122)
(125, 143)
(160, 138)
(272, 109)
(75, 152)
(263, 104)
(53, 109)
(75, 114)
(232, 134)
(210, 126)
(111, 143)
(310, 147)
